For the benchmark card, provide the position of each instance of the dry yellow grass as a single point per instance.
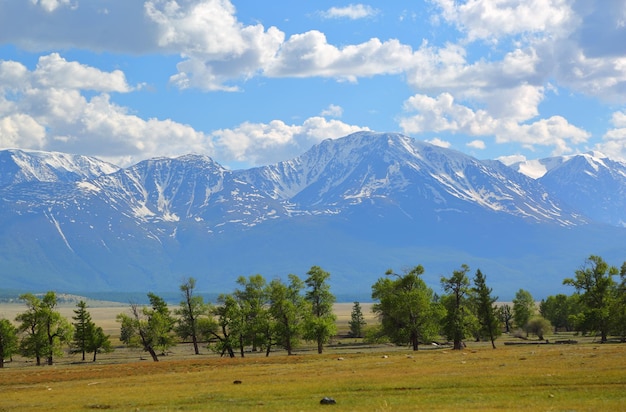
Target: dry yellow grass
(534, 377)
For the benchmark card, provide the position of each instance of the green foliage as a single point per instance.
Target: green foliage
(8, 340)
(254, 302)
(558, 309)
(597, 290)
(320, 324)
(148, 328)
(486, 311)
(287, 310)
(88, 338)
(406, 308)
(523, 308)
(458, 321)
(45, 330)
(357, 321)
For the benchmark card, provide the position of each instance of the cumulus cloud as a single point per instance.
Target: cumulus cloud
(264, 143)
(332, 111)
(48, 108)
(38, 110)
(352, 12)
(477, 144)
(438, 142)
(614, 140)
(443, 114)
(309, 54)
(536, 45)
(492, 19)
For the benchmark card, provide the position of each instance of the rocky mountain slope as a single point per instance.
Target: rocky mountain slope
(355, 206)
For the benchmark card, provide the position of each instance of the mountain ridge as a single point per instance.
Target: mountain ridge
(355, 206)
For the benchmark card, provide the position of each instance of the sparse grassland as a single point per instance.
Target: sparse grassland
(582, 377)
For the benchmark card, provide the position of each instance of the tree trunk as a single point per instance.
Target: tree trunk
(195, 343)
(50, 360)
(38, 359)
(152, 353)
(1, 362)
(414, 341)
(95, 352)
(320, 346)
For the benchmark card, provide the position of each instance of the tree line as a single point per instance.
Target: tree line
(261, 316)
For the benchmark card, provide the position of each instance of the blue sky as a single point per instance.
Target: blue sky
(251, 83)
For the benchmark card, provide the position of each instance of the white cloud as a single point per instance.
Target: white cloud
(52, 5)
(476, 144)
(442, 114)
(55, 71)
(614, 140)
(47, 109)
(438, 142)
(265, 143)
(216, 46)
(332, 111)
(353, 12)
(512, 159)
(309, 54)
(492, 19)
(41, 110)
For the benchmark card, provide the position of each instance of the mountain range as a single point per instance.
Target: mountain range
(355, 206)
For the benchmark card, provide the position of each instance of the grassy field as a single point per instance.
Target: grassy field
(539, 377)
(581, 377)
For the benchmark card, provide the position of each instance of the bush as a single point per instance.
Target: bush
(374, 335)
(538, 326)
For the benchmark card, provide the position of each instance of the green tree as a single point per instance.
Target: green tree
(98, 341)
(287, 309)
(191, 308)
(45, 329)
(524, 308)
(406, 308)
(33, 341)
(8, 341)
(595, 285)
(148, 328)
(231, 323)
(486, 311)
(618, 309)
(83, 326)
(357, 321)
(320, 325)
(457, 321)
(88, 338)
(558, 310)
(254, 303)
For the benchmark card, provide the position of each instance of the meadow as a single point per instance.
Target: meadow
(360, 377)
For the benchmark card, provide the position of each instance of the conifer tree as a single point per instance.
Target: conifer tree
(82, 328)
(486, 311)
(357, 321)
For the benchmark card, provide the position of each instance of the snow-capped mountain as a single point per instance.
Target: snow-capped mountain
(19, 166)
(355, 206)
(399, 172)
(592, 184)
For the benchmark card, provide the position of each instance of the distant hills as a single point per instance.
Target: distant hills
(355, 206)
